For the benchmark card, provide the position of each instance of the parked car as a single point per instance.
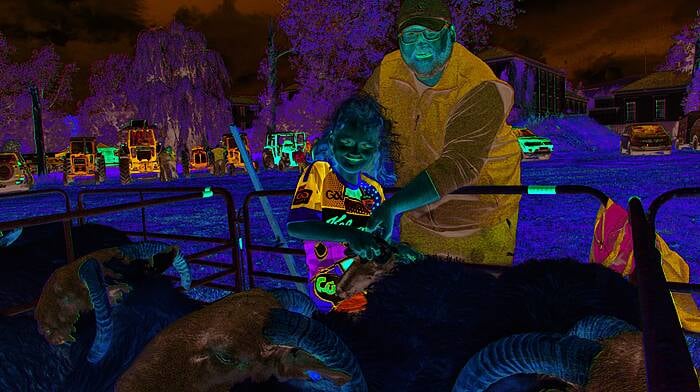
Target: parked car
(689, 131)
(645, 139)
(534, 147)
(15, 174)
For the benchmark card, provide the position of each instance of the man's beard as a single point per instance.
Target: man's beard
(441, 52)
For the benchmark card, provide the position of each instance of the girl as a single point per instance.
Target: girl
(337, 193)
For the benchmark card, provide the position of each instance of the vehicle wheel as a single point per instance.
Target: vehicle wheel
(124, 171)
(100, 169)
(268, 160)
(67, 180)
(284, 165)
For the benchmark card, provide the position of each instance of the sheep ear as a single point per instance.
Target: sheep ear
(299, 365)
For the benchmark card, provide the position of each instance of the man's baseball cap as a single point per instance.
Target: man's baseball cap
(428, 13)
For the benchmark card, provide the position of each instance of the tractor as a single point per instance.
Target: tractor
(233, 154)
(280, 147)
(83, 160)
(137, 150)
(199, 159)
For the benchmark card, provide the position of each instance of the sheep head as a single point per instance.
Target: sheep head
(244, 336)
(64, 297)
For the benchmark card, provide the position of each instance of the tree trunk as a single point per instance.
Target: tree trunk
(38, 132)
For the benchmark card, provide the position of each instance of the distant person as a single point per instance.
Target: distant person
(300, 158)
(449, 112)
(185, 162)
(172, 159)
(165, 165)
(219, 154)
(336, 195)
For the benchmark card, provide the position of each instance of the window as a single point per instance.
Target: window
(660, 109)
(630, 111)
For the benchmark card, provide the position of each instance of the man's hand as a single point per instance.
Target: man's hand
(364, 245)
(382, 220)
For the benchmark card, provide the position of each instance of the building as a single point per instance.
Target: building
(539, 88)
(656, 97)
(575, 103)
(601, 102)
(245, 108)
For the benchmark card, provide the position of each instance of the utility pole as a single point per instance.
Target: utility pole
(272, 58)
(38, 131)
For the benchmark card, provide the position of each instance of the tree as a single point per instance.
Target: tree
(108, 106)
(680, 55)
(338, 43)
(179, 84)
(52, 78)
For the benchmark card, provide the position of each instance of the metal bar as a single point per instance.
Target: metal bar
(278, 249)
(666, 196)
(67, 229)
(94, 211)
(523, 189)
(274, 225)
(212, 251)
(179, 237)
(494, 189)
(683, 287)
(663, 339)
(288, 278)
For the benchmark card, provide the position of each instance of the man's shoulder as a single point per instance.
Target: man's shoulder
(469, 66)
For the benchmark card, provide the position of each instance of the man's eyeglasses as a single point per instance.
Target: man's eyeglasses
(411, 36)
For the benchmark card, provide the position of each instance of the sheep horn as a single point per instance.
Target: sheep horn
(148, 249)
(568, 358)
(599, 327)
(294, 301)
(8, 237)
(290, 329)
(91, 276)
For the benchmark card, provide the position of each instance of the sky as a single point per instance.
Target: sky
(593, 40)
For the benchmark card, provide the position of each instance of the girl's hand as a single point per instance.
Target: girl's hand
(382, 220)
(364, 245)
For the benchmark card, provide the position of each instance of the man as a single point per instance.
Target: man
(219, 154)
(165, 167)
(449, 111)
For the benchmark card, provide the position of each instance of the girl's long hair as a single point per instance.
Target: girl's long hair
(362, 111)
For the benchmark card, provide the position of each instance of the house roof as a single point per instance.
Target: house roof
(658, 81)
(498, 53)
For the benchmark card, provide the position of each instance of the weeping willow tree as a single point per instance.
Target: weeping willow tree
(179, 84)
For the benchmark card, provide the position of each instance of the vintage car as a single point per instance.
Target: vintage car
(534, 147)
(645, 139)
(15, 174)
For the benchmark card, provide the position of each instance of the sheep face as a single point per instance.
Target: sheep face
(220, 346)
(60, 304)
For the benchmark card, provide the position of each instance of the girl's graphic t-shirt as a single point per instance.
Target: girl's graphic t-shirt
(322, 195)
